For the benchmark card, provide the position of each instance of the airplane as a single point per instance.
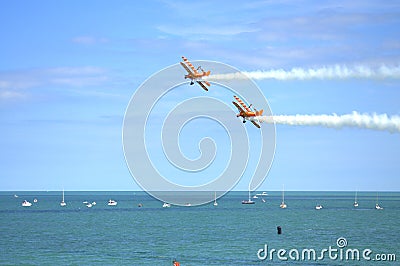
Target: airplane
(195, 74)
(246, 112)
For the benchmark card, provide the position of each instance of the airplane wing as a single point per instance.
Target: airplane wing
(238, 107)
(202, 85)
(206, 82)
(254, 123)
(242, 104)
(187, 62)
(186, 68)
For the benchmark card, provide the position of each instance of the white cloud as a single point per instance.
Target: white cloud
(206, 31)
(88, 40)
(284, 34)
(86, 70)
(72, 76)
(20, 83)
(10, 95)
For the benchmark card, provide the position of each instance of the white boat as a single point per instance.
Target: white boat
(63, 203)
(166, 205)
(35, 200)
(255, 197)
(94, 203)
(215, 199)
(318, 207)
(283, 204)
(377, 206)
(355, 201)
(26, 203)
(112, 203)
(15, 196)
(89, 205)
(249, 201)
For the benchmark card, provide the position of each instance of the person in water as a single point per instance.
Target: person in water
(175, 263)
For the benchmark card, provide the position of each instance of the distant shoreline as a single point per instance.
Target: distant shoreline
(232, 191)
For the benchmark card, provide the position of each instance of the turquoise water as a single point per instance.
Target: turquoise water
(229, 234)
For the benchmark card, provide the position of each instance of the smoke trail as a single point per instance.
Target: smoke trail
(380, 122)
(330, 72)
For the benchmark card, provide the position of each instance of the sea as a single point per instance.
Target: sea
(139, 231)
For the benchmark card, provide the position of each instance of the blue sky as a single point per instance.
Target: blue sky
(69, 68)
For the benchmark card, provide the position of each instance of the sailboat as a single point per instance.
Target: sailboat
(248, 201)
(355, 201)
(283, 205)
(63, 203)
(377, 206)
(215, 199)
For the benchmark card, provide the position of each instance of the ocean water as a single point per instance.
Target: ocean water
(229, 234)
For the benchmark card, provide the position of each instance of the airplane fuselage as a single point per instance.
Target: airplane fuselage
(246, 114)
(197, 76)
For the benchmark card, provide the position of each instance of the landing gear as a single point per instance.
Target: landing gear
(191, 83)
(244, 121)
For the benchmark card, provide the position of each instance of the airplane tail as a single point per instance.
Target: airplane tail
(259, 113)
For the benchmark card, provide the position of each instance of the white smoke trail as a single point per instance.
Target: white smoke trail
(329, 72)
(380, 122)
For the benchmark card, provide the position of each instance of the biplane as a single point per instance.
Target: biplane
(195, 75)
(246, 112)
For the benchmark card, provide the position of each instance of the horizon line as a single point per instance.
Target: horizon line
(277, 190)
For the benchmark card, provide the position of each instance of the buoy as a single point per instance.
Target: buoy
(279, 230)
